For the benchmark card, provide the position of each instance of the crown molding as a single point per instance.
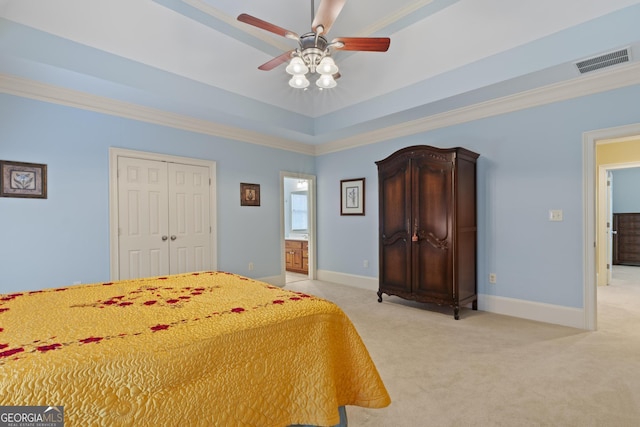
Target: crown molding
(601, 81)
(71, 98)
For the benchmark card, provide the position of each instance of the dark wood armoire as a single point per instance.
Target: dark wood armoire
(428, 230)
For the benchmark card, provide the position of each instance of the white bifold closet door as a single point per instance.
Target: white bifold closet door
(163, 216)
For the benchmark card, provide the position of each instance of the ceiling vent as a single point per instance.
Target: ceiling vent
(603, 61)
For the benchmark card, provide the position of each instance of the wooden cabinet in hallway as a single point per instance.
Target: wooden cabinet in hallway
(626, 239)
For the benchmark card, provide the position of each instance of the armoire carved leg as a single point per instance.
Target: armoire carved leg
(456, 312)
(379, 296)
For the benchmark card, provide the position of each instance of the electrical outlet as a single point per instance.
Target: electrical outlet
(250, 266)
(492, 278)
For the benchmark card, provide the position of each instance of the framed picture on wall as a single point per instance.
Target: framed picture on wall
(18, 179)
(249, 194)
(352, 196)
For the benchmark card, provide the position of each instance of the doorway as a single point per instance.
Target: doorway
(298, 223)
(162, 214)
(595, 242)
(606, 228)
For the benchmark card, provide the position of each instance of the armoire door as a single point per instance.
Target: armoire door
(395, 227)
(432, 187)
(163, 218)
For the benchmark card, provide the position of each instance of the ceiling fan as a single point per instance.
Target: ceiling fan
(313, 54)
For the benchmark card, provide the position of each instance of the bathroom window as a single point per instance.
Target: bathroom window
(299, 211)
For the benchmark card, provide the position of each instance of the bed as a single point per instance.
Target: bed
(207, 348)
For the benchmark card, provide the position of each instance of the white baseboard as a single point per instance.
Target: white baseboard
(541, 312)
(362, 282)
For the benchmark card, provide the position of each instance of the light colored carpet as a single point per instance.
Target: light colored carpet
(291, 277)
(492, 370)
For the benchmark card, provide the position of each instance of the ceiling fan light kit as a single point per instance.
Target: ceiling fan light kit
(299, 81)
(327, 66)
(326, 81)
(313, 55)
(297, 66)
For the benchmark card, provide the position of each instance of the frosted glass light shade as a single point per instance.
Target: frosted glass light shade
(326, 81)
(327, 66)
(299, 81)
(297, 66)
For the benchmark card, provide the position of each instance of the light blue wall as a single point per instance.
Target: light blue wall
(530, 162)
(626, 190)
(65, 238)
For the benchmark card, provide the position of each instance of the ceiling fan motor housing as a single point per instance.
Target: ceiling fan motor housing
(313, 47)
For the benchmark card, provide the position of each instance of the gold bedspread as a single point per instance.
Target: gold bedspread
(210, 348)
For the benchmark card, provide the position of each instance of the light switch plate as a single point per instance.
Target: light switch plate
(555, 215)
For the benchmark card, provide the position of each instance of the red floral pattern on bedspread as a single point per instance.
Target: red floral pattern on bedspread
(147, 296)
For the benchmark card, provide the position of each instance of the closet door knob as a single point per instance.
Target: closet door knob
(164, 238)
(173, 237)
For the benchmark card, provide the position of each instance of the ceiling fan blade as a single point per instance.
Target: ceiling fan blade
(257, 22)
(327, 13)
(270, 65)
(371, 44)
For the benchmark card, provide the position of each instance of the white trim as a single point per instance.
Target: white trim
(362, 282)
(312, 223)
(620, 76)
(540, 312)
(114, 153)
(601, 81)
(26, 88)
(590, 140)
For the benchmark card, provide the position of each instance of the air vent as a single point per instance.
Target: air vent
(603, 61)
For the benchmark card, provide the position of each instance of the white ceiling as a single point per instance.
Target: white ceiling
(193, 58)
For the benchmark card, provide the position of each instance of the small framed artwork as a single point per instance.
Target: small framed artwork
(352, 196)
(249, 194)
(18, 179)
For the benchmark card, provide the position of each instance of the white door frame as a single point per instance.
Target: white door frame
(590, 140)
(608, 226)
(312, 223)
(114, 153)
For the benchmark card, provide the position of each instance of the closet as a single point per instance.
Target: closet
(163, 218)
(427, 226)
